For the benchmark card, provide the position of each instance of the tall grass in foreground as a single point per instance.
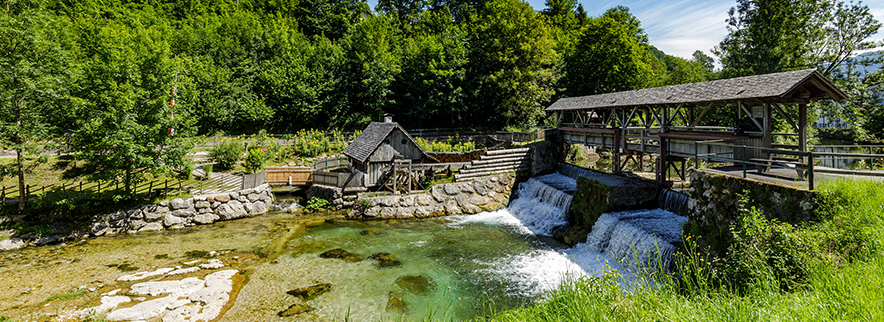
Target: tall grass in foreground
(844, 283)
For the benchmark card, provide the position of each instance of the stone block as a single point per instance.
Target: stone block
(259, 207)
(184, 212)
(450, 189)
(253, 197)
(179, 203)
(222, 198)
(98, 228)
(203, 219)
(438, 193)
(210, 199)
(136, 214)
(451, 208)
(152, 226)
(231, 210)
(202, 204)
(424, 200)
(466, 187)
(171, 220)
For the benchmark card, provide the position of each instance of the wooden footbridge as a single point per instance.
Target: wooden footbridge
(668, 122)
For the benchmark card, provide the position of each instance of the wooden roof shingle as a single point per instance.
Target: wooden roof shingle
(805, 84)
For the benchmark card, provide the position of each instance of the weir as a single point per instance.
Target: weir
(627, 239)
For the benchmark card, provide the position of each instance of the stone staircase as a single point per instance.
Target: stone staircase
(494, 162)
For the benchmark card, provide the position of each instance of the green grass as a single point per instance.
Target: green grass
(66, 296)
(843, 284)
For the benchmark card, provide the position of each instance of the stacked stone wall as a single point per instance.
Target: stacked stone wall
(179, 213)
(484, 194)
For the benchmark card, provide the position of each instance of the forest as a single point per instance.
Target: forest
(124, 83)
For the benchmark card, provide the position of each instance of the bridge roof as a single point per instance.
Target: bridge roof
(795, 87)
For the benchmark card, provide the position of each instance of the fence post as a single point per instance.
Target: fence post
(4, 195)
(166, 189)
(810, 171)
(744, 161)
(696, 155)
(150, 190)
(871, 160)
(27, 195)
(81, 189)
(99, 189)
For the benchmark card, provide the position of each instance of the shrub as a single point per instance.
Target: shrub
(311, 143)
(207, 168)
(317, 203)
(255, 159)
(452, 144)
(226, 154)
(766, 254)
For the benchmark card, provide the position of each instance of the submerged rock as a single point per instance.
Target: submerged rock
(418, 284)
(385, 260)
(342, 254)
(295, 309)
(310, 292)
(395, 303)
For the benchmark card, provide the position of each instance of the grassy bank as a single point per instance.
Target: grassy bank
(842, 280)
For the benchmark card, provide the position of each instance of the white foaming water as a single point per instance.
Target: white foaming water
(540, 207)
(622, 241)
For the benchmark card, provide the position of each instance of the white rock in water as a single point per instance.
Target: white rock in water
(14, 243)
(143, 275)
(184, 270)
(107, 303)
(180, 287)
(213, 264)
(148, 309)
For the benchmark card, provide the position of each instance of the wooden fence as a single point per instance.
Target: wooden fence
(10, 195)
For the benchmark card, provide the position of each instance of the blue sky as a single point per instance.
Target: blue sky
(679, 27)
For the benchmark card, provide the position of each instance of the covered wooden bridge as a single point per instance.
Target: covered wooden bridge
(665, 121)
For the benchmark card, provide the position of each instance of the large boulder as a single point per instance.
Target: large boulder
(231, 210)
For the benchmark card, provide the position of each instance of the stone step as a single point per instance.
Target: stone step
(506, 151)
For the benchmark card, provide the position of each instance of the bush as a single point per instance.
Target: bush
(255, 159)
(317, 203)
(207, 168)
(452, 144)
(226, 154)
(766, 254)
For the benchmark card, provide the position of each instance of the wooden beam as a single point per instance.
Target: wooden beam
(802, 127)
(700, 118)
(742, 107)
(656, 117)
(786, 116)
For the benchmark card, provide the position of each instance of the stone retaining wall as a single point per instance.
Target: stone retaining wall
(714, 204)
(179, 213)
(483, 194)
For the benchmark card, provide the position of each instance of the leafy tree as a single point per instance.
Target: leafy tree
(767, 36)
(510, 61)
(683, 71)
(368, 69)
(608, 57)
(429, 90)
(129, 82)
(330, 18)
(704, 60)
(35, 71)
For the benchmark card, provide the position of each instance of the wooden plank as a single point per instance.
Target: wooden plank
(505, 151)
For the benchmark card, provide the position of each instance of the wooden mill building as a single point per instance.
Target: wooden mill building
(379, 146)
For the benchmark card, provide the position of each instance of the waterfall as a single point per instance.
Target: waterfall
(674, 201)
(635, 239)
(540, 207)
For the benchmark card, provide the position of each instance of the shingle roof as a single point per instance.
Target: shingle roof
(372, 137)
(770, 86)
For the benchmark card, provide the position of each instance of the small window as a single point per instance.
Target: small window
(403, 141)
